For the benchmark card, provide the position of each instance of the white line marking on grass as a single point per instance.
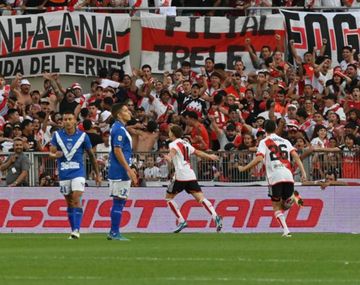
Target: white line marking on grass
(19, 277)
(184, 259)
(260, 280)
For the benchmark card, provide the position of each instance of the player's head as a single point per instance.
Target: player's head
(269, 126)
(175, 132)
(69, 120)
(121, 112)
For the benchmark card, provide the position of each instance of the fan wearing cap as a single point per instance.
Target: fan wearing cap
(20, 87)
(291, 112)
(331, 105)
(162, 106)
(292, 131)
(227, 135)
(68, 103)
(194, 103)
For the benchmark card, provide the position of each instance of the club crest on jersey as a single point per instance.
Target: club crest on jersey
(69, 145)
(119, 138)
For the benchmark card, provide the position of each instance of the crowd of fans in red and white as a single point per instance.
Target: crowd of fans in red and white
(315, 103)
(171, 7)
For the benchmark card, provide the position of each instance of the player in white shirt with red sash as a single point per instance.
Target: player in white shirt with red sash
(185, 178)
(276, 151)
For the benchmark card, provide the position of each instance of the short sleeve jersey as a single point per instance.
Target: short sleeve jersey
(276, 153)
(71, 164)
(119, 137)
(181, 161)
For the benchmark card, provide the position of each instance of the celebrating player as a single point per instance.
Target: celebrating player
(185, 178)
(68, 145)
(276, 151)
(120, 174)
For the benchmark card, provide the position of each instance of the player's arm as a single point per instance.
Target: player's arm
(169, 157)
(54, 152)
(95, 166)
(205, 155)
(251, 164)
(121, 158)
(299, 163)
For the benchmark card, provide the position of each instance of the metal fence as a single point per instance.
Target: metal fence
(154, 170)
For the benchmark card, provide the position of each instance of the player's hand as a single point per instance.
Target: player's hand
(98, 180)
(213, 157)
(303, 178)
(241, 168)
(57, 154)
(132, 174)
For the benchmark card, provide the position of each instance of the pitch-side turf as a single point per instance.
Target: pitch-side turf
(180, 259)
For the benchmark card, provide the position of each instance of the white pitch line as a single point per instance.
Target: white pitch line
(19, 277)
(260, 280)
(183, 259)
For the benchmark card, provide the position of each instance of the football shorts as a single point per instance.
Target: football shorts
(75, 184)
(119, 189)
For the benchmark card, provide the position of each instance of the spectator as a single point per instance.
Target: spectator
(199, 135)
(17, 166)
(151, 172)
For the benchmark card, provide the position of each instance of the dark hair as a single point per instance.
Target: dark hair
(41, 114)
(151, 126)
(116, 108)
(351, 137)
(87, 124)
(269, 126)
(316, 130)
(25, 123)
(177, 131)
(269, 102)
(210, 58)
(185, 63)
(108, 101)
(11, 112)
(192, 115)
(302, 113)
(84, 112)
(146, 66)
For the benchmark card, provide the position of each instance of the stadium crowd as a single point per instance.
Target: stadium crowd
(170, 7)
(316, 106)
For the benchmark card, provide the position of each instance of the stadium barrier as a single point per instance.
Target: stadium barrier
(223, 172)
(244, 209)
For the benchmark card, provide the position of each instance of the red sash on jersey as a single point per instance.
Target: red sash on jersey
(274, 148)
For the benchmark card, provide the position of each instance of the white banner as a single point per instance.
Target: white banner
(245, 210)
(307, 29)
(62, 42)
(167, 41)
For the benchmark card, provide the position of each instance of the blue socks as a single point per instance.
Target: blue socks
(75, 217)
(71, 216)
(78, 218)
(116, 212)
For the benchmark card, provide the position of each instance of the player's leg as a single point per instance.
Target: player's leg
(171, 193)
(275, 193)
(77, 189)
(65, 189)
(120, 191)
(199, 196)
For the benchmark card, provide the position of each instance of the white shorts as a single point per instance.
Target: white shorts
(68, 186)
(119, 189)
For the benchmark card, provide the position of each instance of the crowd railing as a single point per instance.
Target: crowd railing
(153, 169)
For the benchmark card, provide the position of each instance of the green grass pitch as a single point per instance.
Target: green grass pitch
(180, 259)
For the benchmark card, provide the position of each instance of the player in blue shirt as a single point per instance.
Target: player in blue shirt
(68, 146)
(120, 174)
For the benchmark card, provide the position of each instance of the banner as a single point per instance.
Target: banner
(244, 210)
(61, 42)
(307, 29)
(167, 41)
